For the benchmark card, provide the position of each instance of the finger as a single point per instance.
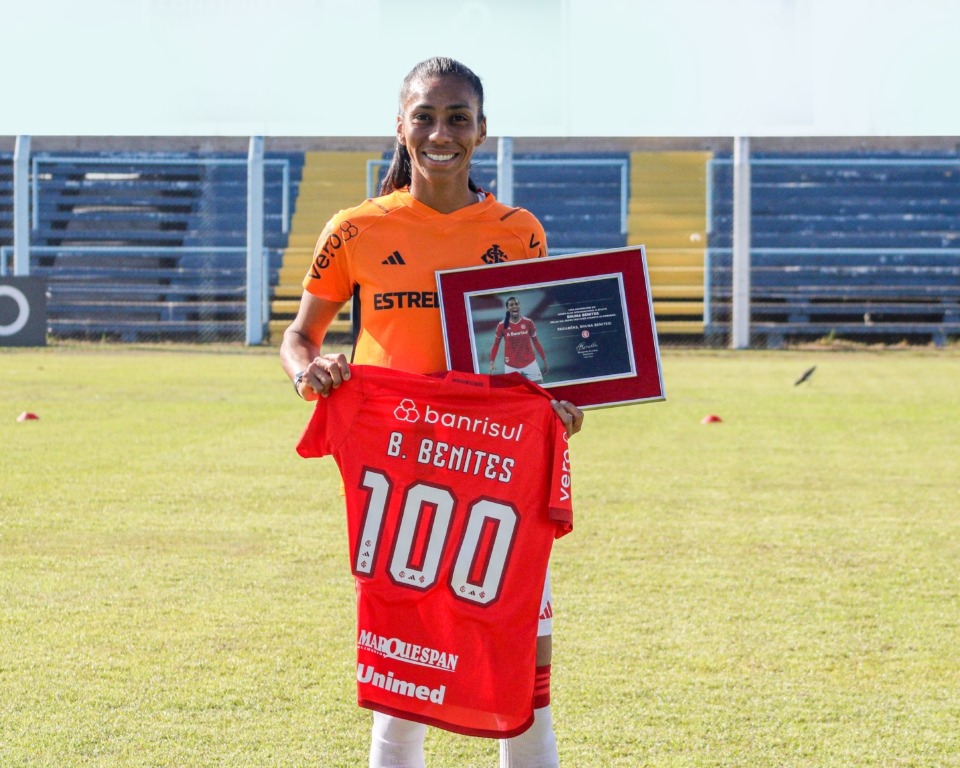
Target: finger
(577, 419)
(335, 374)
(570, 415)
(342, 365)
(319, 378)
(562, 413)
(320, 381)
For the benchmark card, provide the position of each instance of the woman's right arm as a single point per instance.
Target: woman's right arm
(300, 348)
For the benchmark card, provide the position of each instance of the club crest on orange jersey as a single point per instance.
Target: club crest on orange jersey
(494, 255)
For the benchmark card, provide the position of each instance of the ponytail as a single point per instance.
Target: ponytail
(398, 172)
(506, 321)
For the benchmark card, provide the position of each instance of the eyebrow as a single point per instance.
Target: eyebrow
(452, 106)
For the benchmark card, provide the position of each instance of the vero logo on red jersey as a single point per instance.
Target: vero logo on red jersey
(407, 411)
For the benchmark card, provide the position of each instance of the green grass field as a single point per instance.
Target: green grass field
(780, 589)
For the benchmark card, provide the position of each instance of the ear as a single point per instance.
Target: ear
(482, 136)
(400, 137)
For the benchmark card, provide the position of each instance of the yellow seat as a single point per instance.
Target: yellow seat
(331, 181)
(667, 215)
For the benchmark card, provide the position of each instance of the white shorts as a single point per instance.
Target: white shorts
(546, 609)
(531, 372)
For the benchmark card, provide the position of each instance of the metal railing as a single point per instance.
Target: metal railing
(116, 250)
(623, 164)
(43, 158)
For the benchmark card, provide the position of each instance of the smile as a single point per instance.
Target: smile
(438, 158)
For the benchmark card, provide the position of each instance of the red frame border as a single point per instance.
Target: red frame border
(631, 262)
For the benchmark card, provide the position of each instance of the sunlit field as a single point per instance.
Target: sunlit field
(778, 589)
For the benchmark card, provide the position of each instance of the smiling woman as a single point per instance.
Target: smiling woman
(441, 122)
(430, 216)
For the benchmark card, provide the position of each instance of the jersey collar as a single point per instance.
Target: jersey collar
(479, 383)
(446, 219)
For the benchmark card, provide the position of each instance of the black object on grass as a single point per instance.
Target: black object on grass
(805, 375)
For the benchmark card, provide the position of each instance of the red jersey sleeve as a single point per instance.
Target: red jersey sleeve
(332, 419)
(561, 501)
(330, 274)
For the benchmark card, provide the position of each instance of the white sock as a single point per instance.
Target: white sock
(534, 748)
(396, 743)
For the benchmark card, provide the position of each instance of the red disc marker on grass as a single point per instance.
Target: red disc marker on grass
(27, 416)
(710, 419)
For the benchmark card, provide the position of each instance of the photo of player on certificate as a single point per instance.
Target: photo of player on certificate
(553, 333)
(579, 325)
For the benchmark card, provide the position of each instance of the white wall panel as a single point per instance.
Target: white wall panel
(550, 67)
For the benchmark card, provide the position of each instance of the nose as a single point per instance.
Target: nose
(440, 133)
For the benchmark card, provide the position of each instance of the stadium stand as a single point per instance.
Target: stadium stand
(668, 214)
(578, 205)
(150, 246)
(868, 249)
(331, 181)
(6, 199)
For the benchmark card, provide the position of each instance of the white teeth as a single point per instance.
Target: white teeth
(439, 158)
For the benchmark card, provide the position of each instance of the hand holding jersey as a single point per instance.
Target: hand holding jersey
(324, 374)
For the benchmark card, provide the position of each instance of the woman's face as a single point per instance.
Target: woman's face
(441, 127)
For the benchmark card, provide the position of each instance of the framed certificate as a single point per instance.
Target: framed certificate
(581, 326)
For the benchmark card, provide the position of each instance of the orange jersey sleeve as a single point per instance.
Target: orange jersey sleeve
(330, 275)
(391, 247)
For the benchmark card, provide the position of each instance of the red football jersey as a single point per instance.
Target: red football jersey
(456, 486)
(517, 348)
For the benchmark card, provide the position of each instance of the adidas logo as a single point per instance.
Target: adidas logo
(547, 613)
(394, 258)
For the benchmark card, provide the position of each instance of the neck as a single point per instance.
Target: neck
(444, 197)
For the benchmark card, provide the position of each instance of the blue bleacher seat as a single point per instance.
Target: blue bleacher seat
(150, 204)
(894, 228)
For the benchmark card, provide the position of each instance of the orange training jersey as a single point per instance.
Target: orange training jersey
(391, 246)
